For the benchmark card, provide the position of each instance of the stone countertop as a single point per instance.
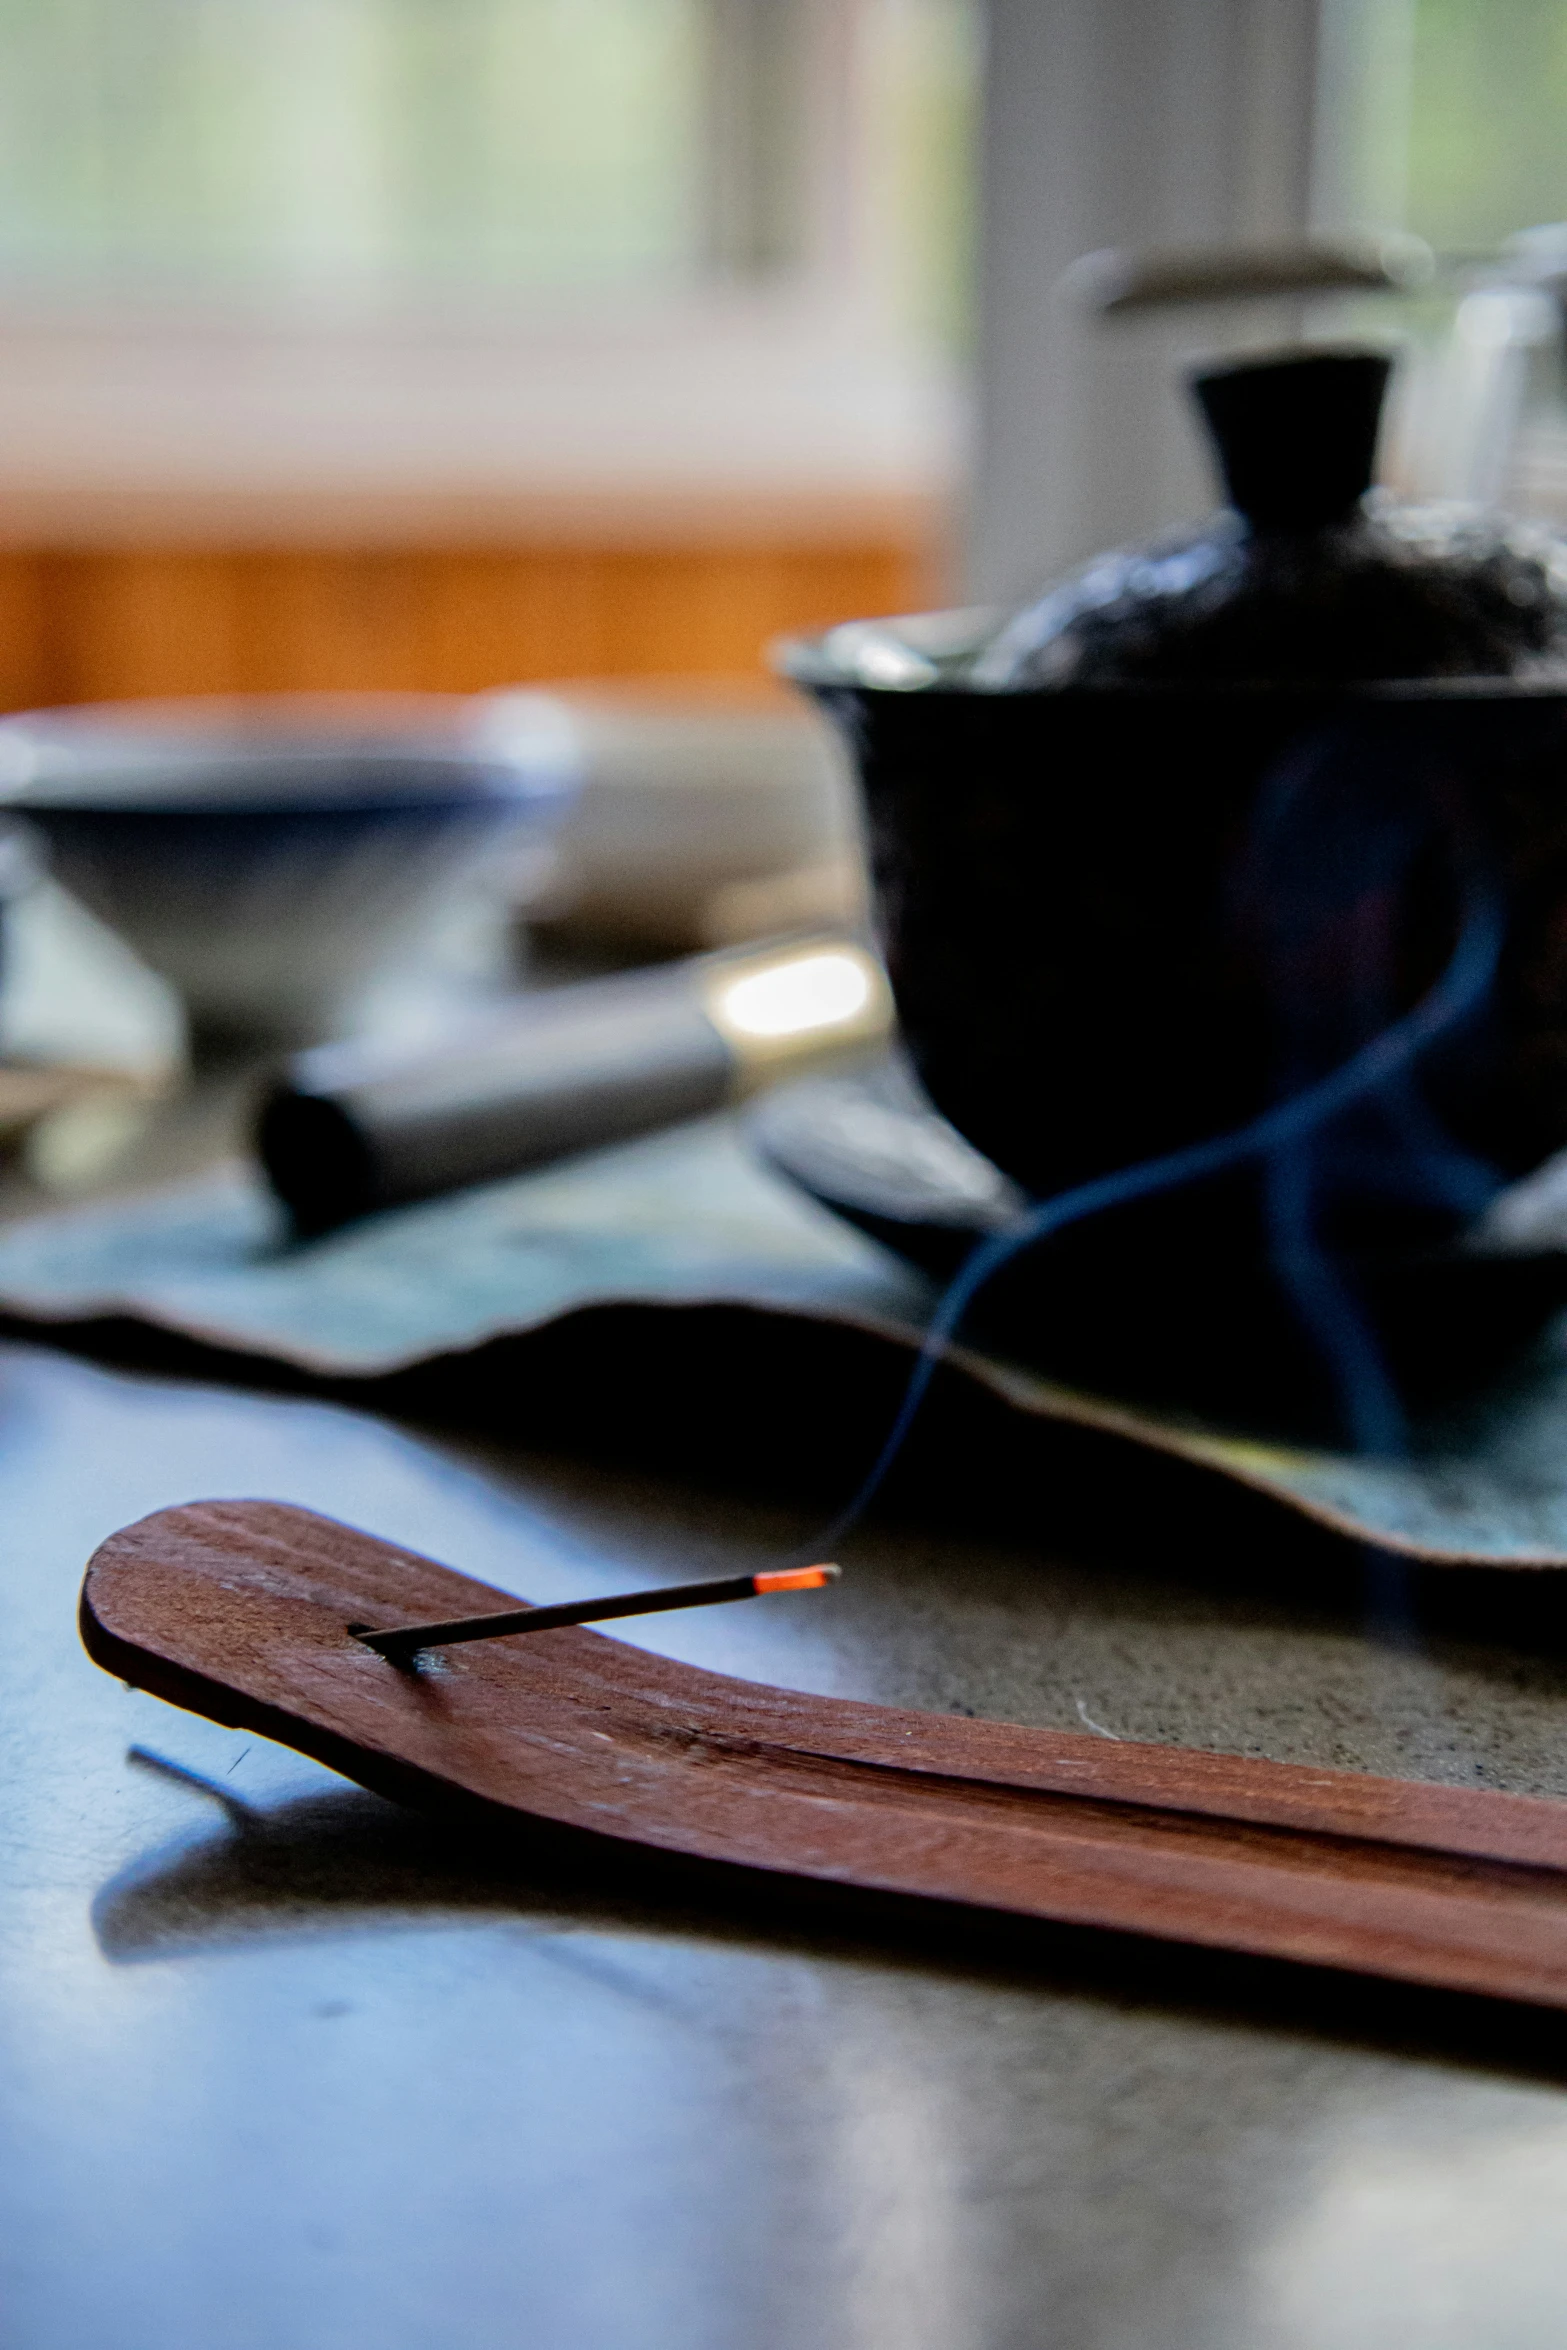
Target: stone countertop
(283, 2068)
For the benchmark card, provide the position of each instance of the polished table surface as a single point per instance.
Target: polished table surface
(282, 2068)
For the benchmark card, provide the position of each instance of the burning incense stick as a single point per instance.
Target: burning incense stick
(406, 1640)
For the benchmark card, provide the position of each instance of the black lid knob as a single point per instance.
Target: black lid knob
(1296, 437)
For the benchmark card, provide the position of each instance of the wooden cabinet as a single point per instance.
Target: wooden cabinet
(90, 623)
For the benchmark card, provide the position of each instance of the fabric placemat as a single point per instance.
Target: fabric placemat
(689, 1217)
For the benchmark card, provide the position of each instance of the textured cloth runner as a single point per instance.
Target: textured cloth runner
(688, 1218)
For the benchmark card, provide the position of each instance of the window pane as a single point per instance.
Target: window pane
(353, 145)
(1448, 117)
(348, 152)
(922, 138)
(1488, 119)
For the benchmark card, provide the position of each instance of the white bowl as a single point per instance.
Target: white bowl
(273, 855)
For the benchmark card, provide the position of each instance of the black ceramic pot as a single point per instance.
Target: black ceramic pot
(1081, 916)
(1133, 908)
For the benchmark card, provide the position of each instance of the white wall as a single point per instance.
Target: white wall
(1116, 122)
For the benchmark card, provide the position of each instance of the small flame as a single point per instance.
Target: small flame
(796, 1578)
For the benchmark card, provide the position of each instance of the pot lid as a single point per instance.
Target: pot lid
(1307, 575)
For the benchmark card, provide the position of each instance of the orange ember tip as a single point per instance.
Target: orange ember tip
(796, 1578)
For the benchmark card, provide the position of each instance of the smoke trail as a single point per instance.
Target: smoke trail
(1327, 1306)
(1387, 1059)
(1333, 862)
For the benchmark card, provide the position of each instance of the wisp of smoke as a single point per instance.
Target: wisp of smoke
(1334, 860)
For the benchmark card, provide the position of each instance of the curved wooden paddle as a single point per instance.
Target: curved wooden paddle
(239, 1610)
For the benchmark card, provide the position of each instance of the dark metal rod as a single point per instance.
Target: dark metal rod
(405, 1640)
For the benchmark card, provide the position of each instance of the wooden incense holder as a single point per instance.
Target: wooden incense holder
(240, 1611)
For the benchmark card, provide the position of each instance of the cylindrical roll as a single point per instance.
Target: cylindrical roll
(355, 1127)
